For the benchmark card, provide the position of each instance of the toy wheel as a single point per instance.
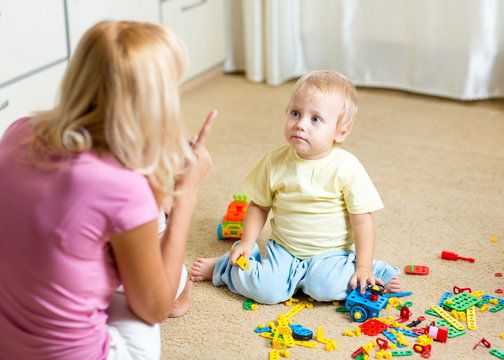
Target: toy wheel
(302, 334)
(359, 313)
(220, 235)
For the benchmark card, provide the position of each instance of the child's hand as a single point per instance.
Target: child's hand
(242, 249)
(364, 276)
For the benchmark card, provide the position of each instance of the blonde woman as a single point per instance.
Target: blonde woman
(81, 188)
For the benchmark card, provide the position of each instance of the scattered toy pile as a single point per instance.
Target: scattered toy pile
(453, 309)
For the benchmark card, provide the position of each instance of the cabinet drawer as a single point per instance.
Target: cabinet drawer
(37, 92)
(200, 24)
(32, 37)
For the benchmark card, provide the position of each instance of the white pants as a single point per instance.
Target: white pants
(130, 337)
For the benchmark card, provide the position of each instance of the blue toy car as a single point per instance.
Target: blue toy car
(366, 306)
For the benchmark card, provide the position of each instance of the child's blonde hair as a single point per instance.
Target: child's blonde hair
(120, 95)
(330, 83)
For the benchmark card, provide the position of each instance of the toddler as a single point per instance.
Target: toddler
(321, 199)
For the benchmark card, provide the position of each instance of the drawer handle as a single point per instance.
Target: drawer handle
(189, 7)
(4, 104)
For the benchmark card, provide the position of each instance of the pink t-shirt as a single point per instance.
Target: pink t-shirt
(57, 271)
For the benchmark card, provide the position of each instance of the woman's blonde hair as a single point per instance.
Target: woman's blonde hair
(120, 96)
(331, 83)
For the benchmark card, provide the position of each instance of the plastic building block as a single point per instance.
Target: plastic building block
(409, 332)
(452, 332)
(282, 338)
(381, 354)
(489, 297)
(471, 318)
(484, 342)
(249, 305)
(497, 308)
(448, 255)
(330, 344)
(477, 293)
(295, 309)
(361, 306)
(358, 352)
(401, 294)
(497, 353)
(438, 333)
(416, 269)
(306, 344)
(373, 327)
(457, 290)
(461, 302)
(301, 333)
(392, 337)
(274, 355)
(448, 317)
(264, 329)
(382, 343)
(231, 226)
(348, 333)
(424, 350)
(402, 353)
(243, 263)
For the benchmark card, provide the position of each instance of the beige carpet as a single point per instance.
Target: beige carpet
(439, 167)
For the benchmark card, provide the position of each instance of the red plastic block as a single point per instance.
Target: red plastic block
(416, 269)
(373, 327)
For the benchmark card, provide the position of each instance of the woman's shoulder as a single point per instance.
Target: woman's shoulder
(19, 127)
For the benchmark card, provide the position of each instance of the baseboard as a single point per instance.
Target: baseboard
(201, 79)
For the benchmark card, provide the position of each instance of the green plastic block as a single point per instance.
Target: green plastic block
(497, 308)
(432, 312)
(402, 353)
(452, 332)
(497, 353)
(461, 302)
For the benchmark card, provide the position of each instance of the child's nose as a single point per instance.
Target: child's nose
(302, 123)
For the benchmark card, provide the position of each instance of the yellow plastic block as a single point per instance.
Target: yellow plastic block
(348, 333)
(448, 317)
(243, 263)
(274, 355)
(330, 344)
(295, 309)
(471, 318)
(306, 343)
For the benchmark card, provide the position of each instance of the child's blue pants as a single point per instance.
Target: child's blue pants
(279, 275)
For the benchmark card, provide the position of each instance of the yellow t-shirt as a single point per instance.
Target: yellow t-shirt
(310, 199)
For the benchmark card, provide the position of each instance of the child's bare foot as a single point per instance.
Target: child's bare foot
(182, 303)
(393, 286)
(202, 269)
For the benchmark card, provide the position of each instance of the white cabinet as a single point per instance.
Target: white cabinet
(36, 92)
(38, 36)
(200, 24)
(82, 14)
(33, 55)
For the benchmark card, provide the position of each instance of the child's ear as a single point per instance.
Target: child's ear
(341, 135)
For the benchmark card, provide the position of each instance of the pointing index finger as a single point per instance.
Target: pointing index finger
(205, 129)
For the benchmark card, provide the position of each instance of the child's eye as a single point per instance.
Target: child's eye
(316, 119)
(295, 113)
